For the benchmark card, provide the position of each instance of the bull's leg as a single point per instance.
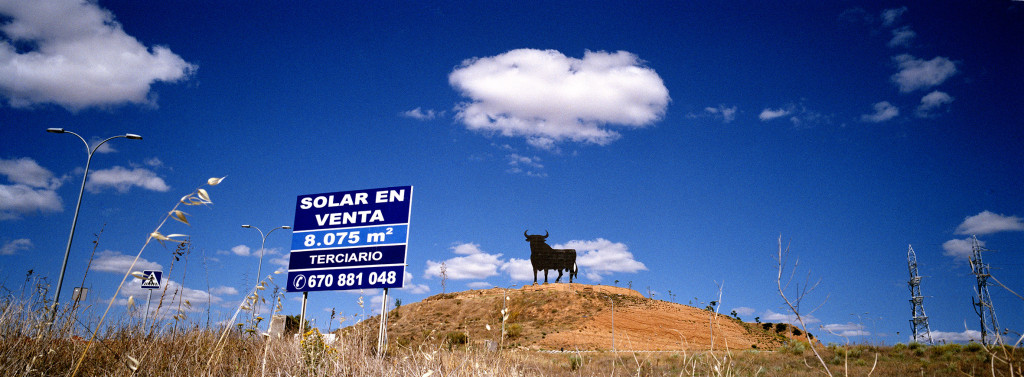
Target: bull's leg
(534, 276)
(559, 276)
(545, 276)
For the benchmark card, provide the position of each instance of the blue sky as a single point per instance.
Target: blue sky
(670, 144)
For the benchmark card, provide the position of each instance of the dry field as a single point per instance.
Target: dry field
(29, 346)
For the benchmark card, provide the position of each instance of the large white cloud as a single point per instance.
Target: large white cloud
(33, 189)
(122, 179)
(475, 264)
(547, 97)
(26, 171)
(78, 56)
(518, 269)
(917, 73)
(113, 261)
(987, 222)
(601, 257)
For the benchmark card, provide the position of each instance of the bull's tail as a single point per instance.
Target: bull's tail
(574, 271)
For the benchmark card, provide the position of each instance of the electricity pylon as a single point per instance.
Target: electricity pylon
(983, 304)
(918, 320)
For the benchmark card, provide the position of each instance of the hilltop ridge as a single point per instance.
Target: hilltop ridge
(575, 316)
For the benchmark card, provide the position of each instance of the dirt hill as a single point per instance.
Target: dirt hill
(573, 316)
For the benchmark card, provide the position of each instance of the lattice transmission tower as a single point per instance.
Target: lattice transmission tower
(983, 304)
(918, 320)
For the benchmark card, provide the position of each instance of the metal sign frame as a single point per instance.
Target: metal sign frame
(350, 240)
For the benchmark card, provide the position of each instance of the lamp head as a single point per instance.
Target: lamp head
(133, 136)
(247, 226)
(286, 227)
(56, 130)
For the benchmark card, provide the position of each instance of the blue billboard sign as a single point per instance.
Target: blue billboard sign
(350, 240)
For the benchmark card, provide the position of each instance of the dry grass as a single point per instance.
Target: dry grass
(28, 349)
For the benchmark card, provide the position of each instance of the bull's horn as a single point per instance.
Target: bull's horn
(524, 233)
(545, 233)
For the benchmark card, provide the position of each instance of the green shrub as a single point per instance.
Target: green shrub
(513, 330)
(575, 362)
(455, 338)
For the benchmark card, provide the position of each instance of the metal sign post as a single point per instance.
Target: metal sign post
(150, 280)
(302, 316)
(382, 333)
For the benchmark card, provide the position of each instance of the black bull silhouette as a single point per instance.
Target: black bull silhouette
(543, 257)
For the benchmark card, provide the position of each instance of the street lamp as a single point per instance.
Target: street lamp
(259, 267)
(67, 251)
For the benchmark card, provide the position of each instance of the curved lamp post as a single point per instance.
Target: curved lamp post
(259, 267)
(67, 251)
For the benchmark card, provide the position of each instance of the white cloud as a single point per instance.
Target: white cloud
(891, 16)
(282, 261)
(769, 114)
(987, 222)
(15, 246)
(476, 264)
(122, 180)
(902, 37)
(176, 293)
(846, 330)
(932, 102)
(27, 172)
(241, 250)
(917, 74)
(771, 316)
(962, 337)
(601, 257)
(960, 249)
(518, 269)
(547, 97)
(416, 289)
(420, 114)
(480, 285)
(530, 166)
(727, 114)
(34, 189)
(16, 200)
(112, 261)
(883, 112)
(223, 290)
(80, 57)
(743, 310)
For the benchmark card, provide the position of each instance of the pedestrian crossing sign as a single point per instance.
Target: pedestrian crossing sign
(151, 279)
